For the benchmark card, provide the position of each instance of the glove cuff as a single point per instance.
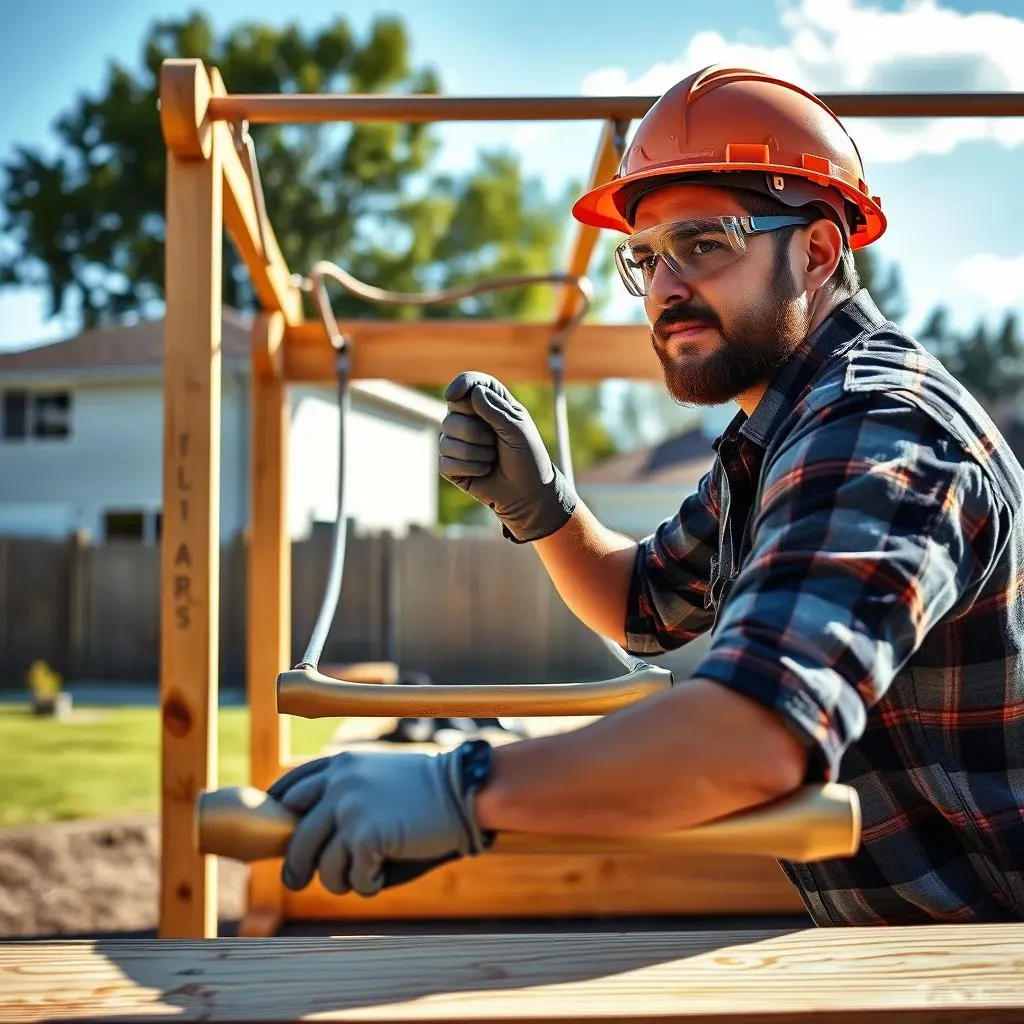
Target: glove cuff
(469, 768)
(559, 502)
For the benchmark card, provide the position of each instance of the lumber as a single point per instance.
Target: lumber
(580, 886)
(606, 162)
(268, 628)
(437, 351)
(306, 108)
(190, 545)
(925, 974)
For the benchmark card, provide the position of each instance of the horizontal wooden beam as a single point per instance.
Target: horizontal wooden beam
(927, 973)
(304, 108)
(436, 351)
(590, 886)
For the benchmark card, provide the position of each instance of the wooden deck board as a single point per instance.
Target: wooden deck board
(936, 973)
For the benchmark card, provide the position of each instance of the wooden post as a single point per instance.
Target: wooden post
(190, 547)
(269, 620)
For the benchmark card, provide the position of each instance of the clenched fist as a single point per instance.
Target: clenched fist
(491, 448)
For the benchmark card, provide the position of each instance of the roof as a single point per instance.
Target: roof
(138, 345)
(680, 459)
(137, 351)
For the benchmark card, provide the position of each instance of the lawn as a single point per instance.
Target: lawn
(107, 763)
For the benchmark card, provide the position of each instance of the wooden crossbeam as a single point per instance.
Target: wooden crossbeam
(436, 351)
(299, 108)
(937, 973)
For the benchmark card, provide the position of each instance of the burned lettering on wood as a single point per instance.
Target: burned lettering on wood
(183, 556)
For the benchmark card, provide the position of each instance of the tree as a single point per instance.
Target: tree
(989, 363)
(887, 290)
(88, 223)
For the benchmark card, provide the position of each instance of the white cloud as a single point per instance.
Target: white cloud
(851, 46)
(996, 280)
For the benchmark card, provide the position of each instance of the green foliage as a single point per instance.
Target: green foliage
(88, 222)
(989, 363)
(885, 288)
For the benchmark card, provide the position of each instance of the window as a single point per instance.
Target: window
(123, 525)
(36, 414)
(15, 415)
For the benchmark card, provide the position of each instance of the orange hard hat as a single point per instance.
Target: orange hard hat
(741, 128)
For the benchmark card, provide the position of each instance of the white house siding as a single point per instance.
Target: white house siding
(111, 461)
(635, 509)
(390, 464)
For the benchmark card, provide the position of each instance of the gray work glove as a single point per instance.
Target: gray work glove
(491, 448)
(370, 820)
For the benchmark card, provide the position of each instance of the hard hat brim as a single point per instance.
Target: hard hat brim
(601, 206)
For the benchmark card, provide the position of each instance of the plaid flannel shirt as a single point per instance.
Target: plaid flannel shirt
(857, 552)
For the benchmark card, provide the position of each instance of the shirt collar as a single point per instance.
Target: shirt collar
(829, 339)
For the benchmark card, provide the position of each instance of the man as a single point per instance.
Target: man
(856, 551)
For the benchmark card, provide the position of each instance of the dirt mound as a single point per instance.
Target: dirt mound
(80, 878)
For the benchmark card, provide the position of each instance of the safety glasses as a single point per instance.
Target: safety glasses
(691, 249)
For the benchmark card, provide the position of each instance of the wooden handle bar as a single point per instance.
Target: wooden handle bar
(816, 822)
(306, 693)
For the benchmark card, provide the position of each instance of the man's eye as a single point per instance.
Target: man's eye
(704, 246)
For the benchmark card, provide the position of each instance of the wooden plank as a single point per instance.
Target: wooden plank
(589, 886)
(299, 108)
(436, 351)
(269, 604)
(606, 162)
(190, 549)
(267, 269)
(925, 974)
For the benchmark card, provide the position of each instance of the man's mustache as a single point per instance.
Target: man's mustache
(681, 314)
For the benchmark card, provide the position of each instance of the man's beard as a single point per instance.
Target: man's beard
(757, 343)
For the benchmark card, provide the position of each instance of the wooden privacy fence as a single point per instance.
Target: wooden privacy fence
(458, 608)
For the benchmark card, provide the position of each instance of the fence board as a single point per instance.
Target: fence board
(36, 606)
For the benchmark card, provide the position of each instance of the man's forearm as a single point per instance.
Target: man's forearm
(692, 754)
(591, 567)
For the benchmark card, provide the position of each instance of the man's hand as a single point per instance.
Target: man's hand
(372, 819)
(491, 448)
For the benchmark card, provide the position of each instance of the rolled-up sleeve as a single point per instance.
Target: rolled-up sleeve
(870, 528)
(667, 604)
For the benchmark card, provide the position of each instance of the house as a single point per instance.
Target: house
(81, 440)
(634, 491)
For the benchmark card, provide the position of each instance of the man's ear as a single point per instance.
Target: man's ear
(821, 253)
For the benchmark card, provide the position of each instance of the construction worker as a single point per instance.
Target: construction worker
(856, 553)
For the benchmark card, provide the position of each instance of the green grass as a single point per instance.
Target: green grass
(109, 765)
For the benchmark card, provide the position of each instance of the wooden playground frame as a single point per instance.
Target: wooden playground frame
(209, 189)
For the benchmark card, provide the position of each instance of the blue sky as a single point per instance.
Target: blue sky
(951, 189)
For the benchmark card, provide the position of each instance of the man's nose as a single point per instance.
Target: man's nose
(666, 287)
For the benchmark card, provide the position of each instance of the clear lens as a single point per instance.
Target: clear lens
(690, 248)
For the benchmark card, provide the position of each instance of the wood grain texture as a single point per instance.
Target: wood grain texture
(606, 162)
(269, 605)
(568, 885)
(436, 351)
(190, 545)
(923, 974)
